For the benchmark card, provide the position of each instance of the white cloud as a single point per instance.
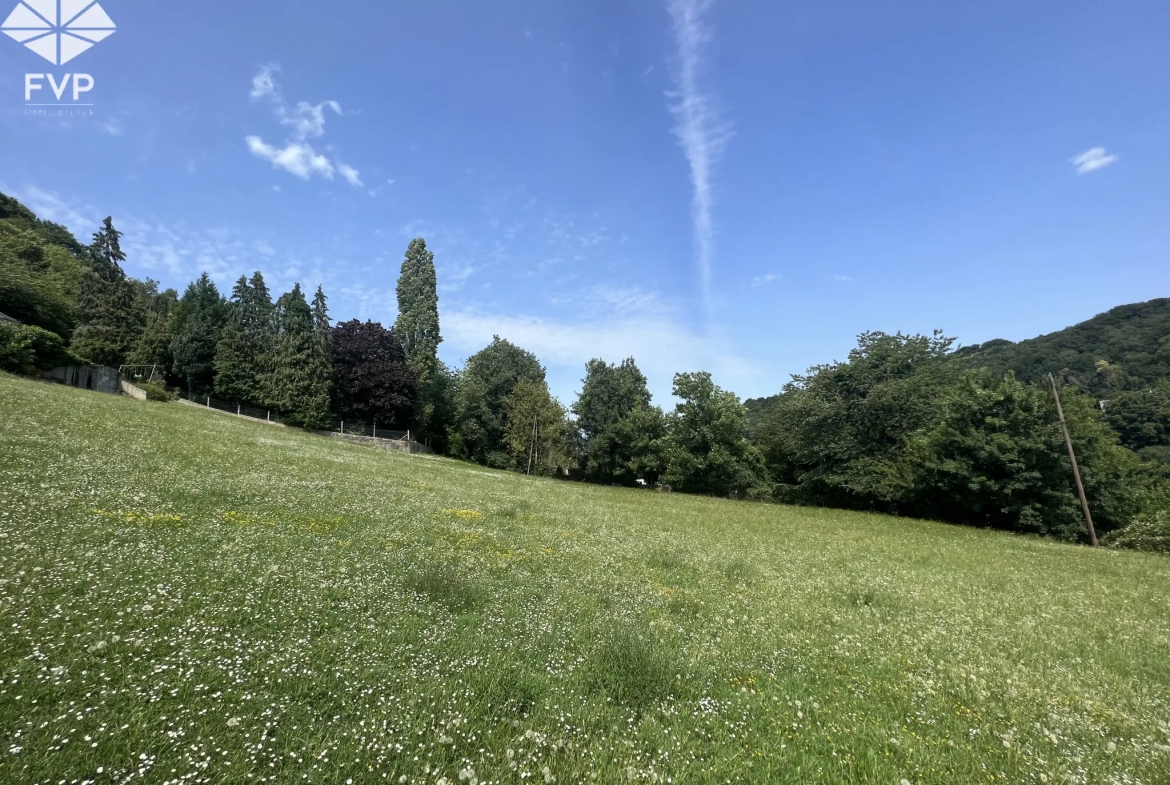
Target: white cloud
(264, 83)
(764, 280)
(350, 174)
(612, 324)
(843, 278)
(380, 189)
(307, 121)
(452, 277)
(698, 126)
(80, 219)
(1091, 160)
(296, 158)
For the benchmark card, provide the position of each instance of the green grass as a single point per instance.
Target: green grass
(185, 597)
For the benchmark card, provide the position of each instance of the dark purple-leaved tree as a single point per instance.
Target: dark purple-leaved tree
(372, 381)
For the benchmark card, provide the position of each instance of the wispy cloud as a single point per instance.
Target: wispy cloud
(173, 251)
(306, 121)
(609, 323)
(350, 174)
(698, 125)
(264, 82)
(843, 279)
(1092, 159)
(296, 158)
(764, 280)
(381, 188)
(112, 127)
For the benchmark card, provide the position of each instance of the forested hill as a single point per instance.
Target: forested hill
(1127, 347)
(14, 216)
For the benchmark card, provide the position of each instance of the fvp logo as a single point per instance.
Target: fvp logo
(58, 30)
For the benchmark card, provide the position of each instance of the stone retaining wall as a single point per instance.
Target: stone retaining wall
(132, 391)
(396, 445)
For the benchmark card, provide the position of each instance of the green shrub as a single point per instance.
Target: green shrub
(48, 348)
(23, 346)
(155, 391)
(15, 355)
(1150, 532)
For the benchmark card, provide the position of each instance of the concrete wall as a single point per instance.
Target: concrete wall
(88, 377)
(132, 391)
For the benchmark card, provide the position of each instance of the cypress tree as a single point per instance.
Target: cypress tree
(418, 330)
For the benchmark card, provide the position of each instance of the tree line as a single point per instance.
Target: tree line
(903, 426)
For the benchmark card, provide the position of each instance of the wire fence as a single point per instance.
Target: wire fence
(370, 430)
(344, 427)
(238, 409)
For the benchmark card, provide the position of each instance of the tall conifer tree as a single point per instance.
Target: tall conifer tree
(110, 321)
(235, 375)
(296, 387)
(196, 326)
(260, 327)
(320, 369)
(418, 330)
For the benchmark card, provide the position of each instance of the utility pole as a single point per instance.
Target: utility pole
(1073, 457)
(531, 445)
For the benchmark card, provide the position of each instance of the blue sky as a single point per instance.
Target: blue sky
(734, 186)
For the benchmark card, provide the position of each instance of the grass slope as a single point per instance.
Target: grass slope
(186, 597)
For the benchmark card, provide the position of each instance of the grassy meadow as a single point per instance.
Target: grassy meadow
(186, 597)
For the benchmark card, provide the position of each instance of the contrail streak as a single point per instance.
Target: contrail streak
(697, 126)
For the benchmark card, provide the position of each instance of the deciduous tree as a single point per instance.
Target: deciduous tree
(537, 432)
(372, 381)
(479, 432)
(610, 394)
(706, 448)
(417, 329)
